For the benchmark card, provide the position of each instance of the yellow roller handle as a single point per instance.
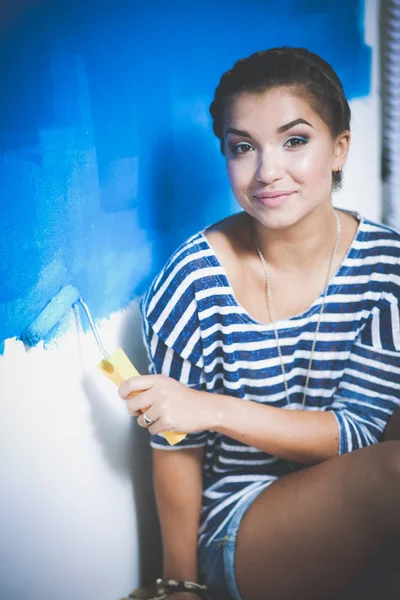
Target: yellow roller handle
(119, 368)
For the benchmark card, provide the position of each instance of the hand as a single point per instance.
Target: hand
(169, 404)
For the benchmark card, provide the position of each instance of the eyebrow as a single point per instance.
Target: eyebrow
(292, 124)
(281, 129)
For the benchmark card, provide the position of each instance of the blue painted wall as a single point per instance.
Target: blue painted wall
(107, 158)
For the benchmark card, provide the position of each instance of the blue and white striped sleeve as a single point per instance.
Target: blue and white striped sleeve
(164, 360)
(172, 338)
(369, 391)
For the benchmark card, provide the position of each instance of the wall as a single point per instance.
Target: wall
(390, 107)
(107, 163)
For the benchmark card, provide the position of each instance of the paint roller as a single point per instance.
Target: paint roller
(116, 367)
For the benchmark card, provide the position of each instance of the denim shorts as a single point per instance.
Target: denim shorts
(217, 560)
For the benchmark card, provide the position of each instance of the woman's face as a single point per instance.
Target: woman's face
(280, 156)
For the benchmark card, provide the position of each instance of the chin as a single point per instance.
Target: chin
(278, 223)
(284, 216)
(278, 219)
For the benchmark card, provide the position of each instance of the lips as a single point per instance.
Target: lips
(273, 199)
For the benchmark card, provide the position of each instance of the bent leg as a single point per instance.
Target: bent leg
(392, 429)
(313, 532)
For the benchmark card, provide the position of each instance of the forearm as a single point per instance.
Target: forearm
(177, 477)
(302, 436)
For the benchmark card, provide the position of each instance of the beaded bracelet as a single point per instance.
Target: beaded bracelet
(169, 586)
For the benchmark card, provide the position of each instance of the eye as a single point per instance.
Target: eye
(242, 148)
(296, 141)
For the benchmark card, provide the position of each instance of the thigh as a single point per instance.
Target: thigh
(381, 581)
(312, 532)
(392, 429)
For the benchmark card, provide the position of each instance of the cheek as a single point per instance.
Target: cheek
(235, 174)
(240, 172)
(311, 166)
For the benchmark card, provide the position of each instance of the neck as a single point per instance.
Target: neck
(302, 245)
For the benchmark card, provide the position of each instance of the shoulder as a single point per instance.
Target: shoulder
(194, 254)
(192, 261)
(376, 248)
(378, 253)
(373, 233)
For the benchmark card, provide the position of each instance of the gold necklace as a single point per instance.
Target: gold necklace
(271, 309)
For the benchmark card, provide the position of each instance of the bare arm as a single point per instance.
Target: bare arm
(306, 437)
(177, 477)
(303, 436)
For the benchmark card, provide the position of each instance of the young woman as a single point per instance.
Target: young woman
(274, 343)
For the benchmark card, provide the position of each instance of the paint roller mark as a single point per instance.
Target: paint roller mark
(72, 195)
(119, 180)
(25, 102)
(50, 315)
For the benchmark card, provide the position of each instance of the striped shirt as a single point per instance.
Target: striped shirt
(196, 332)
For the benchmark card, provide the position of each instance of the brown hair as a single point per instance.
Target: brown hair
(298, 68)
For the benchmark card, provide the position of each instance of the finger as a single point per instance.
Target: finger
(146, 416)
(136, 384)
(157, 427)
(133, 412)
(140, 402)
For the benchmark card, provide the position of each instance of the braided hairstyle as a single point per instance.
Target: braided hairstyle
(307, 73)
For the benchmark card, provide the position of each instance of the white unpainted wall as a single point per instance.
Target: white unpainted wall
(76, 507)
(77, 517)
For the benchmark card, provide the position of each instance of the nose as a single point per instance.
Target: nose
(269, 165)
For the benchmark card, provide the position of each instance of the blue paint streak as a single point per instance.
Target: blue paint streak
(107, 158)
(50, 315)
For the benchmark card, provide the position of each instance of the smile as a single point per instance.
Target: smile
(273, 199)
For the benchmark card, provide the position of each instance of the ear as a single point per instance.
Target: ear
(341, 150)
